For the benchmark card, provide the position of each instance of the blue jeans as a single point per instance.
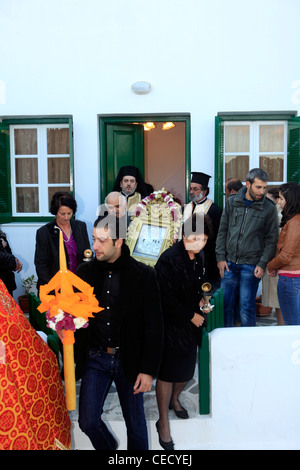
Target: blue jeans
(288, 290)
(240, 283)
(101, 370)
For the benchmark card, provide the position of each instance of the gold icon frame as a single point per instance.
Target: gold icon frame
(157, 219)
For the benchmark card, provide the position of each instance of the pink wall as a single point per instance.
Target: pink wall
(166, 150)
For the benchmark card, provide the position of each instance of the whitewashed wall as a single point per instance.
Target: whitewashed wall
(80, 57)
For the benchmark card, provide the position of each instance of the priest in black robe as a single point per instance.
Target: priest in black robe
(132, 185)
(200, 203)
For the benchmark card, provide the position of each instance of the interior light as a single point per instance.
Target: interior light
(167, 125)
(148, 126)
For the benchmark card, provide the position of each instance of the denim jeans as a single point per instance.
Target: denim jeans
(288, 290)
(101, 370)
(240, 283)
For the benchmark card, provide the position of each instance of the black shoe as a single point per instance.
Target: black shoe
(182, 414)
(165, 445)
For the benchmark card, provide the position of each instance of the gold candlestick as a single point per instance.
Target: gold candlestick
(87, 255)
(206, 287)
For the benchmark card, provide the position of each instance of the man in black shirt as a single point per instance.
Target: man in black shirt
(124, 341)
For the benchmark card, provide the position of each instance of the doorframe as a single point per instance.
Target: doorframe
(129, 118)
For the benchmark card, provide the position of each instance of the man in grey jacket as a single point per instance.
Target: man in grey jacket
(246, 242)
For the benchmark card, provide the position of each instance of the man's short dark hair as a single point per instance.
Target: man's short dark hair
(234, 185)
(258, 173)
(116, 226)
(274, 192)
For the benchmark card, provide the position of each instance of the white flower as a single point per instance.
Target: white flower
(60, 315)
(51, 324)
(79, 322)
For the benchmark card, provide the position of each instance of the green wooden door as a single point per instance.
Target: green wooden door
(124, 146)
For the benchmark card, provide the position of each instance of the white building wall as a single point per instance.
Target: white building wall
(255, 383)
(80, 57)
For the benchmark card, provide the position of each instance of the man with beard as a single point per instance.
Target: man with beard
(131, 184)
(201, 204)
(123, 343)
(246, 242)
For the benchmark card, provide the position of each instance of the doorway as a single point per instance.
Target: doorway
(162, 153)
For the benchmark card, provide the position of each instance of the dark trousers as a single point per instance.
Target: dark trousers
(101, 370)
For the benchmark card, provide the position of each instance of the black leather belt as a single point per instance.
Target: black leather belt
(110, 350)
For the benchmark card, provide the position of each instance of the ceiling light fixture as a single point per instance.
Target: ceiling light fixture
(148, 126)
(141, 88)
(167, 125)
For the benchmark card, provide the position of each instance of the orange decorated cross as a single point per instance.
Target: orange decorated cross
(80, 304)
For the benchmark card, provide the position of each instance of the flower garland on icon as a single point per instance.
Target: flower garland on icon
(158, 197)
(67, 311)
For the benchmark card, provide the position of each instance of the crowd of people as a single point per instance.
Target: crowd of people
(153, 318)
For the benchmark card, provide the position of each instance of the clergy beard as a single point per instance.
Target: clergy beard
(128, 193)
(198, 198)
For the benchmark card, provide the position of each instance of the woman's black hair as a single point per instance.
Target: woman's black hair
(197, 224)
(291, 193)
(274, 192)
(62, 198)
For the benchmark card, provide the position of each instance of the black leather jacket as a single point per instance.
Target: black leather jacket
(46, 257)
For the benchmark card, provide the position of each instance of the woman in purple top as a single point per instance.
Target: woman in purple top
(75, 236)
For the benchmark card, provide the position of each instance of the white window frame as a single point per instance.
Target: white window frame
(42, 157)
(254, 152)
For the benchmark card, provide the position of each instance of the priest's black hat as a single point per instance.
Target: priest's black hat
(130, 170)
(200, 178)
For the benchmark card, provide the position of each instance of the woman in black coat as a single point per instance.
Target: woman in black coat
(181, 273)
(75, 236)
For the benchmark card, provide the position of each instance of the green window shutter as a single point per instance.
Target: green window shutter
(293, 156)
(71, 150)
(219, 161)
(5, 186)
